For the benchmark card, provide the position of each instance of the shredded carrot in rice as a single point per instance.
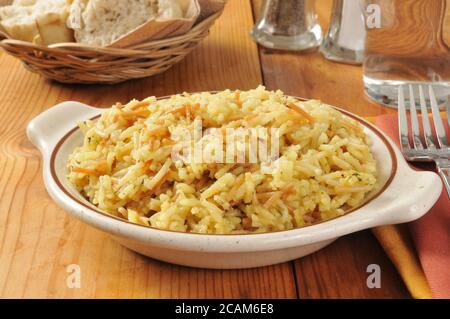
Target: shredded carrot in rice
(254, 169)
(295, 118)
(162, 180)
(188, 114)
(237, 183)
(302, 112)
(187, 110)
(139, 104)
(308, 218)
(134, 114)
(237, 96)
(148, 163)
(202, 182)
(179, 110)
(100, 170)
(276, 196)
(264, 196)
(102, 165)
(241, 116)
(158, 132)
(290, 209)
(168, 141)
(263, 188)
(125, 164)
(252, 119)
(273, 200)
(353, 127)
(288, 189)
(236, 117)
(247, 223)
(291, 212)
(87, 171)
(158, 184)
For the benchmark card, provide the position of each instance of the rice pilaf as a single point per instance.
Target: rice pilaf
(125, 166)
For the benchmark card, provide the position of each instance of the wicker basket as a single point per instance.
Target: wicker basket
(79, 63)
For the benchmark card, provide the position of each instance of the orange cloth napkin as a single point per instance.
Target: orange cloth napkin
(430, 235)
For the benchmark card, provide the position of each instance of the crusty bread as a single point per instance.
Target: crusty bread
(94, 22)
(24, 2)
(53, 29)
(172, 9)
(101, 22)
(18, 22)
(39, 21)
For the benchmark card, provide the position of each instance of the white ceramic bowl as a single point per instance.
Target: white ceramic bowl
(404, 195)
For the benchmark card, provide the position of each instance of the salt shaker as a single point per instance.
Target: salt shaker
(345, 39)
(288, 25)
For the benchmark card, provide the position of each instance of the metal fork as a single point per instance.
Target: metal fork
(430, 151)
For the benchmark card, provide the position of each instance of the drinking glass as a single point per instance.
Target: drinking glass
(408, 42)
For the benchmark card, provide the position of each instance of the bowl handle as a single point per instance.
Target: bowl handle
(45, 130)
(411, 199)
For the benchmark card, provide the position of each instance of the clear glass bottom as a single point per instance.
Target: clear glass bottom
(336, 53)
(385, 92)
(307, 40)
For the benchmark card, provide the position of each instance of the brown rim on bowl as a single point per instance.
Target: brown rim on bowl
(370, 126)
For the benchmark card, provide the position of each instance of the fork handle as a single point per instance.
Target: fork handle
(443, 166)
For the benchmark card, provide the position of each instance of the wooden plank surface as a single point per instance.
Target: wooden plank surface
(38, 240)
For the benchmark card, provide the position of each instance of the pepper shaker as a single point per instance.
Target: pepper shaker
(288, 25)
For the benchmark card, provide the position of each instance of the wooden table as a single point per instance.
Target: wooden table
(38, 240)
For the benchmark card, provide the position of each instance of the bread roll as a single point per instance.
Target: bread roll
(39, 21)
(24, 2)
(101, 22)
(52, 28)
(170, 9)
(18, 22)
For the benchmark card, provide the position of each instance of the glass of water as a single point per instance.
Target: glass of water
(407, 42)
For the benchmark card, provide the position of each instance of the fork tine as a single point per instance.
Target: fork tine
(438, 124)
(414, 120)
(425, 120)
(402, 120)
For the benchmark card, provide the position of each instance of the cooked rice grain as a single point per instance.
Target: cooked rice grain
(125, 168)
